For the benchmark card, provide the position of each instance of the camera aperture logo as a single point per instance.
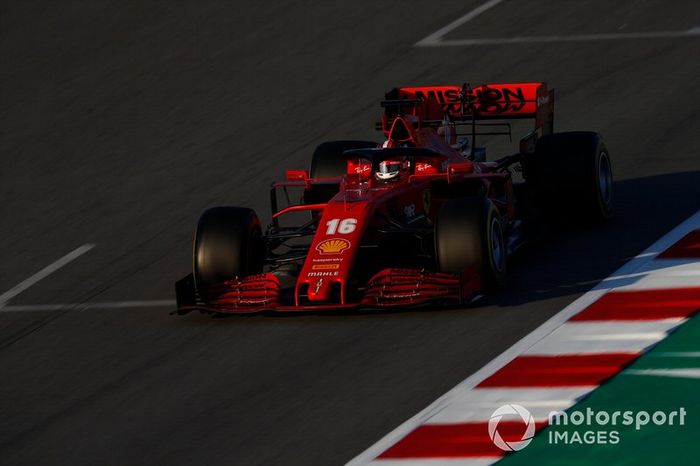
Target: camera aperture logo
(520, 415)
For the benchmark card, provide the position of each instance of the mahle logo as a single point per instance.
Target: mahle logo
(512, 411)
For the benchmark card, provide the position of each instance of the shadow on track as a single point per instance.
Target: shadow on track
(569, 261)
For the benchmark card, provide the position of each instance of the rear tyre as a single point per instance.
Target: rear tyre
(469, 232)
(570, 175)
(227, 244)
(328, 162)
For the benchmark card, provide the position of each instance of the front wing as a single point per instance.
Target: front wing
(389, 288)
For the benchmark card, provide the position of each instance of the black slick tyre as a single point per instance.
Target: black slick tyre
(469, 232)
(227, 244)
(570, 176)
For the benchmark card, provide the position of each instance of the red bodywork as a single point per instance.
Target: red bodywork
(342, 267)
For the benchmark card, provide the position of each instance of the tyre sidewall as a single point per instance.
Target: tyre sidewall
(466, 231)
(563, 176)
(227, 244)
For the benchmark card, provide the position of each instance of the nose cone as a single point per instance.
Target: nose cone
(332, 252)
(320, 291)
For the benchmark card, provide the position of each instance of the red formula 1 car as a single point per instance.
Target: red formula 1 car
(420, 218)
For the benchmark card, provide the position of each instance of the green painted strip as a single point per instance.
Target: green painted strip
(630, 391)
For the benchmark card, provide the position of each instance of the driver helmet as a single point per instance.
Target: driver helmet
(389, 170)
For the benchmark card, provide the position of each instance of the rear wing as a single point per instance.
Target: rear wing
(484, 102)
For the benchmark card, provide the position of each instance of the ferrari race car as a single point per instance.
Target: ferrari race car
(420, 218)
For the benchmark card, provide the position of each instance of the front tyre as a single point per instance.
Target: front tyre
(227, 244)
(469, 232)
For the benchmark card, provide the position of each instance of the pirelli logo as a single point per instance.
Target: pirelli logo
(325, 267)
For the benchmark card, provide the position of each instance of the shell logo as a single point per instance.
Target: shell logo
(333, 246)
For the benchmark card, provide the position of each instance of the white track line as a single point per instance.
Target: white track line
(524, 344)
(477, 405)
(436, 37)
(676, 354)
(675, 274)
(603, 337)
(43, 273)
(682, 373)
(89, 306)
(573, 38)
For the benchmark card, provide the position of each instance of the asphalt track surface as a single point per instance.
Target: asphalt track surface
(122, 121)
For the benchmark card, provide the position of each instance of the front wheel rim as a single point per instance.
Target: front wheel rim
(605, 179)
(497, 249)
